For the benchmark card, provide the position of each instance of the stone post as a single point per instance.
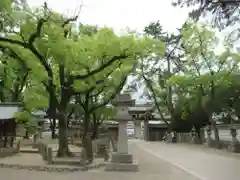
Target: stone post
(42, 149)
(34, 145)
(95, 147)
(202, 135)
(234, 145)
(170, 137)
(146, 130)
(49, 155)
(114, 144)
(137, 129)
(209, 136)
(39, 147)
(106, 154)
(83, 157)
(45, 152)
(39, 132)
(194, 135)
(18, 146)
(122, 145)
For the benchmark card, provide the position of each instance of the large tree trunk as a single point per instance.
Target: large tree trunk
(87, 141)
(26, 135)
(95, 127)
(2, 95)
(63, 149)
(53, 128)
(95, 132)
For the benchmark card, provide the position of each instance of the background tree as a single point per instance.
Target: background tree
(154, 70)
(224, 12)
(205, 73)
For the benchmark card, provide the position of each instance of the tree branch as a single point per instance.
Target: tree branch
(102, 67)
(23, 82)
(155, 99)
(15, 42)
(51, 93)
(13, 54)
(66, 22)
(37, 33)
(106, 101)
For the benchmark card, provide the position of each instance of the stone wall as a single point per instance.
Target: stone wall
(184, 137)
(9, 151)
(227, 141)
(224, 133)
(26, 142)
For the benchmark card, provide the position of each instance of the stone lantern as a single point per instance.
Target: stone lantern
(234, 145)
(122, 160)
(194, 135)
(193, 132)
(233, 132)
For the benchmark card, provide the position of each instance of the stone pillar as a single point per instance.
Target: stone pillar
(49, 155)
(234, 145)
(35, 141)
(137, 129)
(41, 130)
(202, 136)
(194, 135)
(146, 130)
(209, 136)
(122, 160)
(18, 146)
(122, 145)
(45, 152)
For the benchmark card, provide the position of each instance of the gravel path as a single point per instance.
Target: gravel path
(151, 168)
(203, 163)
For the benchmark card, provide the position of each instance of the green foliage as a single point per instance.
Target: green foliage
(61, 63)
(23, 117)
(105, 113)
(223, 13)
(5, 5)
(200, 81)
(209, 77)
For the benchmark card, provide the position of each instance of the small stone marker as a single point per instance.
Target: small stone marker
(83, 157)
(49, 155)
(45, 152)
(106, 155)
(41, 149)
(34, 141)
(18, 147)
(209, 136)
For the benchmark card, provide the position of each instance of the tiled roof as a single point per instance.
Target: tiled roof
(7, 111)
(123, 97)
(140, 109)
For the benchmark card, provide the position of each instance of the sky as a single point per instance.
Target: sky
(120, 14)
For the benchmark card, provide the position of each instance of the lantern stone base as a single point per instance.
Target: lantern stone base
(196, 140)
(234, 147)
(122, 162)
(209, 143)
